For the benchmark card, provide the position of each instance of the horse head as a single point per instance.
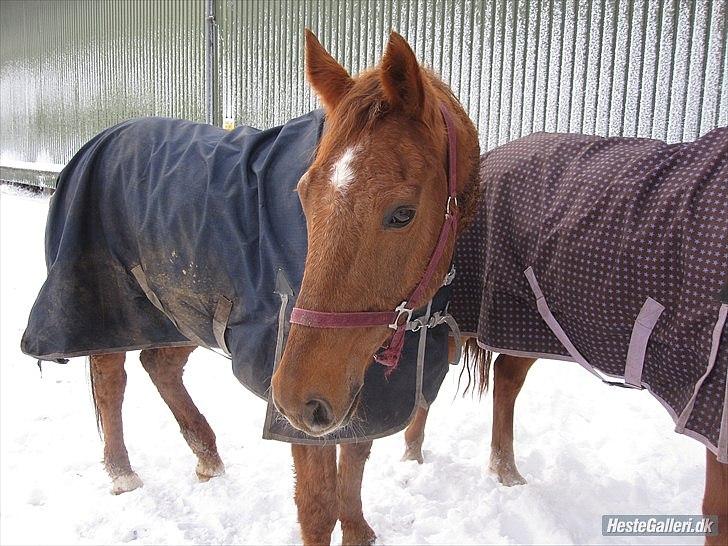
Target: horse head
(376, 199)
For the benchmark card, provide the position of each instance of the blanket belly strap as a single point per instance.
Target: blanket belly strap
(641, 331)
(141, 278)
(553, 324)
(220, 321)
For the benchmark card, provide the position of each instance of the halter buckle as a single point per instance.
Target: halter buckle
(416, 325)
(401, 309)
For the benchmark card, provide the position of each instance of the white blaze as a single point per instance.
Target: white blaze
(342, 172)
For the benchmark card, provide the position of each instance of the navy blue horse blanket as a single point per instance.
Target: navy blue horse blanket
(165, 232)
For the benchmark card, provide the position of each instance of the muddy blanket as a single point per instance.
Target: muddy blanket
(611, 252)
(164, 232)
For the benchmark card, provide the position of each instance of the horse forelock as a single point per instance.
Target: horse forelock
(361, 114)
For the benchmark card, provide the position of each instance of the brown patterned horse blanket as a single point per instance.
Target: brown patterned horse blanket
(611, 252)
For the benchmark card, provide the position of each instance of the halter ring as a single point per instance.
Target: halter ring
(401, 309)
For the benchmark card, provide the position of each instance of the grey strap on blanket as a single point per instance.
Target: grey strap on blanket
(550, 320)
(219, 321)
(442, 317)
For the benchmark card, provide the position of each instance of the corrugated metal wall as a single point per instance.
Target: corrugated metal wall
(71, 68)
(654, 68)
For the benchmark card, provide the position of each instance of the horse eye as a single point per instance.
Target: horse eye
(400, 217)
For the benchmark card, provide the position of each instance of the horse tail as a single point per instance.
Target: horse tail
(477, 365)
(99, 424)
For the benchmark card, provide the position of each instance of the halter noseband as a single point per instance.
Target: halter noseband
(389, 356)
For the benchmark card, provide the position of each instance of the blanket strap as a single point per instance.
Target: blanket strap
(220, 321)
(285, 292)
(437, 318)
(421, 349)
(560, 334)
(141, 278)
(641, 331)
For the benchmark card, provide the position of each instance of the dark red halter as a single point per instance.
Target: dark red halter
(389, 356)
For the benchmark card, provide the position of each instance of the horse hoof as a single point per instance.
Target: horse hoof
(357, 535)
(209, 468)
(503, 465)
(125, 483)
(508, 475)
(413, 454)
(511, 479)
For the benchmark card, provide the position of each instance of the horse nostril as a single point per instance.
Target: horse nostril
(318, 414)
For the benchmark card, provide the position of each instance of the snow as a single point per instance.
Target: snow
(41, 164)
(586, 450)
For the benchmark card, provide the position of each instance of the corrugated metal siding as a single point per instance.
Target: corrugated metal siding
(69, 69)
(643, 67)
(654, 68)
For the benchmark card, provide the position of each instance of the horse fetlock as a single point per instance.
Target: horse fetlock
(413, 452)
(356, 533)
(209, 467)
(116, 462)
(503, 465)
(125, 482)
(202, 442)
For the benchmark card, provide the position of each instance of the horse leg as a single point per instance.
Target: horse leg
(165, 367)
(108, 380)
(414, 436)
(315, 495)
(508, 377)
(352, 458)
(715, 500)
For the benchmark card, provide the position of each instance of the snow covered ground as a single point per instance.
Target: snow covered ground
(585, 448)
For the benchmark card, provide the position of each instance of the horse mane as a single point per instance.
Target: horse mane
(469, 197)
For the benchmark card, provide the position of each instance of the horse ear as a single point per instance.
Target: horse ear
(402, 77)
(328, 78)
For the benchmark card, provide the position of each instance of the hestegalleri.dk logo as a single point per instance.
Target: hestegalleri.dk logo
(659, 525)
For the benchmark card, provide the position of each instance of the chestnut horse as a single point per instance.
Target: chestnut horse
(375, 203)
(375, 200)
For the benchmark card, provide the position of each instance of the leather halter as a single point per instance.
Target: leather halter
(389, 356)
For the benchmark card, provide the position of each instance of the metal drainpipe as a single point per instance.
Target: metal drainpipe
(210, 58)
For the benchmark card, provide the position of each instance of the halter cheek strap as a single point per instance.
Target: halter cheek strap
(399, 319)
